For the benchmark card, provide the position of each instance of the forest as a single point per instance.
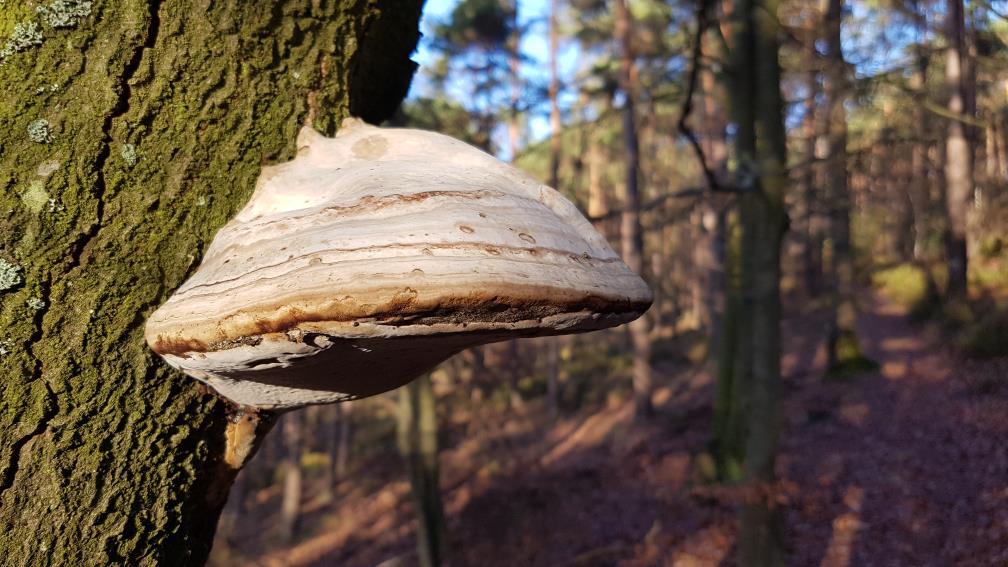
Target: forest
(814, 193)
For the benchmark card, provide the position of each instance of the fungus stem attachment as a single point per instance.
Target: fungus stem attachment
(246, 429)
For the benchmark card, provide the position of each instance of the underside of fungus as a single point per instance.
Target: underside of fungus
(375, 255)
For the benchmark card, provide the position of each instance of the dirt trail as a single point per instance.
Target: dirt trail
(904, 466)
(907, 465)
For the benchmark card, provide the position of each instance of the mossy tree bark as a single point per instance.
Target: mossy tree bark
(754, 311)
(130, 137)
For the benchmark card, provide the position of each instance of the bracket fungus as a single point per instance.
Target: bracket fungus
(377, 254)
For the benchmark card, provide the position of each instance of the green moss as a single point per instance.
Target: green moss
(990, 274)
(987, 335)
(850, 359)
(911, 286)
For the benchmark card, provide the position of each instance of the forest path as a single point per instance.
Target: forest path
(903, 466)
(906, 465)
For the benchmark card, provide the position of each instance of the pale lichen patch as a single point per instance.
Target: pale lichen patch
(10, 275)
(129, 154)
(35, 197)
(26, 35)
(64, 13)
(40, 131)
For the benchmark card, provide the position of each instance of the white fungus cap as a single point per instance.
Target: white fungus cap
(375, 255)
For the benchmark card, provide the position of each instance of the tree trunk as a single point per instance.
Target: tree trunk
(761, 147)
(514, 64)
(810, 196)
(342, 455)
(630, 226)
(1002, 145)
(844, 353)
(155, 122)
(290, 506)
(556, 128)
(920, 191)
(598, 204)
(333, 431)
(419, 447)
(958, 155)
(708, 286)
(729, 415)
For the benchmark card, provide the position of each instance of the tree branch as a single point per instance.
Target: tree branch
(703, 22)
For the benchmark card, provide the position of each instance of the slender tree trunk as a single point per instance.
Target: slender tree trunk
(969, 90)
(510, 364)
(920, 192)
(990, 155)
(844, 353)
(902, 193)
(159, 122)
(342, 460)
(337, 446)
(332, 433)
(810, 196)
(708, 286)
(761, 149)
(554, 93)
(553, 352)
(514, 63)
(630, 226)
(232, 515)
(598, 204)
(419, 448)
(1002, 145)
(729, 414)
(509, 349)
(553, 376)
(290, 506)
(958, 155)
(764, 223)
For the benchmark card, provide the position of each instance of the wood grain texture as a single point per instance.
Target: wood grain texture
(375, 255)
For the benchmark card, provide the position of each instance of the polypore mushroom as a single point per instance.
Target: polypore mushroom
(375, 255)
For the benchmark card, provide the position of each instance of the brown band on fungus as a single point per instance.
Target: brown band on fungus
(513, 305)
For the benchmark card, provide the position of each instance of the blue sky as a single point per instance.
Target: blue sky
(534, 46)
(875, 40)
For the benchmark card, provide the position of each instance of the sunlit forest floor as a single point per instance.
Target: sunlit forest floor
(905, 465)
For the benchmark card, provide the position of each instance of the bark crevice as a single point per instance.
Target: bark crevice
(50, 410)
(83, 241)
